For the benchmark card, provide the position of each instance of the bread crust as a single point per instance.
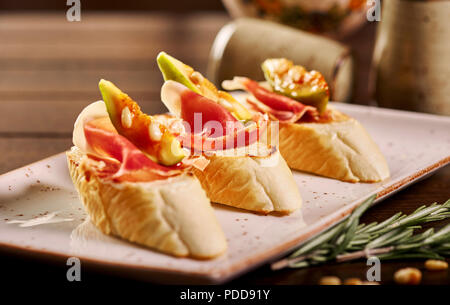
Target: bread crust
(342, 150)
(261, 184)
(173, 216)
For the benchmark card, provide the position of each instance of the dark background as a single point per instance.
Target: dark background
(116, 5)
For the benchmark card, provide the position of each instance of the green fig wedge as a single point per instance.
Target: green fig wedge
(175, 70)
(142, 130)
(296, 82)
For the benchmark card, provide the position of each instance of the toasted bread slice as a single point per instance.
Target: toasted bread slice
(263, 184)
(342, 150)
(172, 215)
(338, 147)
(256, 182)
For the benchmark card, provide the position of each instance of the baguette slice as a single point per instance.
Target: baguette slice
(336, 146)
(173, 215)
(236, 179)
(342, 150)
(261, 184)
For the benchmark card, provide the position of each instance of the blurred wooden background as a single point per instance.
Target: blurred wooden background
(115, 5)
(49, 68)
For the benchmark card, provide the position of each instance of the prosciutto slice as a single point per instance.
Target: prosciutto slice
(209, 126)
(279, 107)
(122, 159)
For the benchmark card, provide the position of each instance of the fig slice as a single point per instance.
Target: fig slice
(296, 82)
(151, 137)
(175, 70)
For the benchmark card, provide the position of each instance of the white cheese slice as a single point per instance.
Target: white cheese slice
(91, 112)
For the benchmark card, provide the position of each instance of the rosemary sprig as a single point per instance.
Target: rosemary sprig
(394, 238)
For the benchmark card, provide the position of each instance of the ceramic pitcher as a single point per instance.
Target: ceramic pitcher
(411, 66)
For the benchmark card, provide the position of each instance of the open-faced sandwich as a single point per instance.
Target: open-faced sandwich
(313, 137)
(243, 171)
(135, 181)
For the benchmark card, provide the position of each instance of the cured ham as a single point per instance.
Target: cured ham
(278, 107)
(209, 125)
(122, 159)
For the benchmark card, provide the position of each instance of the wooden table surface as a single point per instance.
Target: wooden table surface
(49, 70)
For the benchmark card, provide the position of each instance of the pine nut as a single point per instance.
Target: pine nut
(330, 280)
(126, 118)
(436, 265)
(154, 131)
(353, 281)
(196, 77)
(408, 276)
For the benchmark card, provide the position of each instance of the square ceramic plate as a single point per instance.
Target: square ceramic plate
(40, 210)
